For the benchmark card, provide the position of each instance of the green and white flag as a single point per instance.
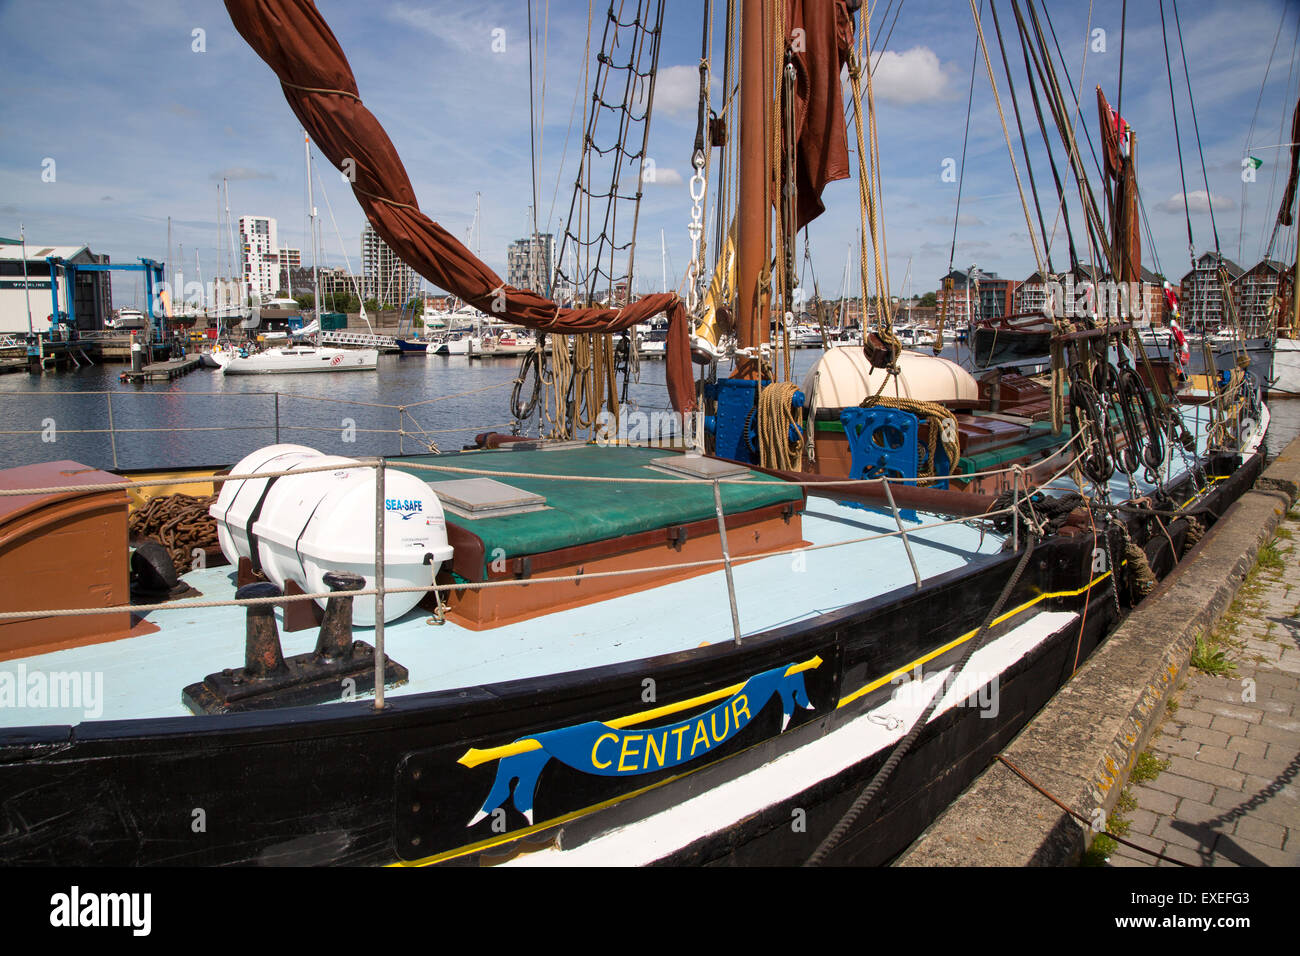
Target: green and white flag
(1255, 162)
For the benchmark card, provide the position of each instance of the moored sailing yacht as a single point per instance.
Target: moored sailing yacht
(297, 359)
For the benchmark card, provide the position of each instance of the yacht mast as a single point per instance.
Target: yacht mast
(214, 305)
(27, 294)
(663, 259)
(311, 213)
(169, 255)
(230, 235)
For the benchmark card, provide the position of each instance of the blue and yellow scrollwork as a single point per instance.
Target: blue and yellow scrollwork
(610, 750)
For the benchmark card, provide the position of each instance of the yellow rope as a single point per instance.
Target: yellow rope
(868, 220)
(556, 403)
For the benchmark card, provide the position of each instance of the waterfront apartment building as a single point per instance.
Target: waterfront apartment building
(529, 262)
(1201, 293)
(975, 293)
(337, 281)
(1256, 288)
(259, 256)
(386, 277)
(1032, 295)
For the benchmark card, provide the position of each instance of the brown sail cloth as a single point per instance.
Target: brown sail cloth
(1126, 240)
(1288, 198)
(296, 43)
(821, 43)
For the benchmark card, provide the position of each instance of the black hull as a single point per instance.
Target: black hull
(342, 784)
(1002, 347)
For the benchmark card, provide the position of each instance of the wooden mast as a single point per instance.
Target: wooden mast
(753, 229)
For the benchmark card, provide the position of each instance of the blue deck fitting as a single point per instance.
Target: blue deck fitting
(735, 426)
(884, 443)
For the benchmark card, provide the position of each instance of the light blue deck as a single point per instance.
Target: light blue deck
(143, 676)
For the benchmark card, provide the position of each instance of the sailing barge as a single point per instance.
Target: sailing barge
(619, 655)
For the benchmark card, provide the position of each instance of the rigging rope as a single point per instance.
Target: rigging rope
(988, 63)
(1024, 143)
(1196, 126)
(961, 179)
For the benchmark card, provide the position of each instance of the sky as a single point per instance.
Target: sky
(117, 115)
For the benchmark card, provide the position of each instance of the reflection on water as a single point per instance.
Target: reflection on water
(1284, 425)
(206, 419)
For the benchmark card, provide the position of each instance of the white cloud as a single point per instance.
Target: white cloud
(912, 76)
(677, 90)
(1197, 201)
(664, 177)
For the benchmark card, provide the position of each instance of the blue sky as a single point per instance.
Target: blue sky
(142, 127)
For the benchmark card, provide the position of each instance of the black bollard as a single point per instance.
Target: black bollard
(335, 640)
(263, 658)
(338, 668)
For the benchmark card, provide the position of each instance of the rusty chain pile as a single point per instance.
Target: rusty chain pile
(180, 523)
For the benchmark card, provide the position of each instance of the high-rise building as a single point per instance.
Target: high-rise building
(387, 278)
(260, 255)
(290, 264)
(529, 261)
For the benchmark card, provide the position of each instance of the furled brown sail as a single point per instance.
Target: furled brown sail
(295, 42)
(1126, 240)
(824, 33)
(1284, 215)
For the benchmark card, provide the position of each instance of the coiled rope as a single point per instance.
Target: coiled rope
(776, 421)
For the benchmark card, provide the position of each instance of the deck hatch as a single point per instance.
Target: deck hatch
(485, 498)
(698, 466)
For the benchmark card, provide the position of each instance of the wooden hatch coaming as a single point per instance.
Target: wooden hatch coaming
(62, 550)
(759, 530)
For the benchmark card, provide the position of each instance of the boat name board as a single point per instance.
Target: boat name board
(606, 750)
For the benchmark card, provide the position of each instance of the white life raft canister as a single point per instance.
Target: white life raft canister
(306, 525)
